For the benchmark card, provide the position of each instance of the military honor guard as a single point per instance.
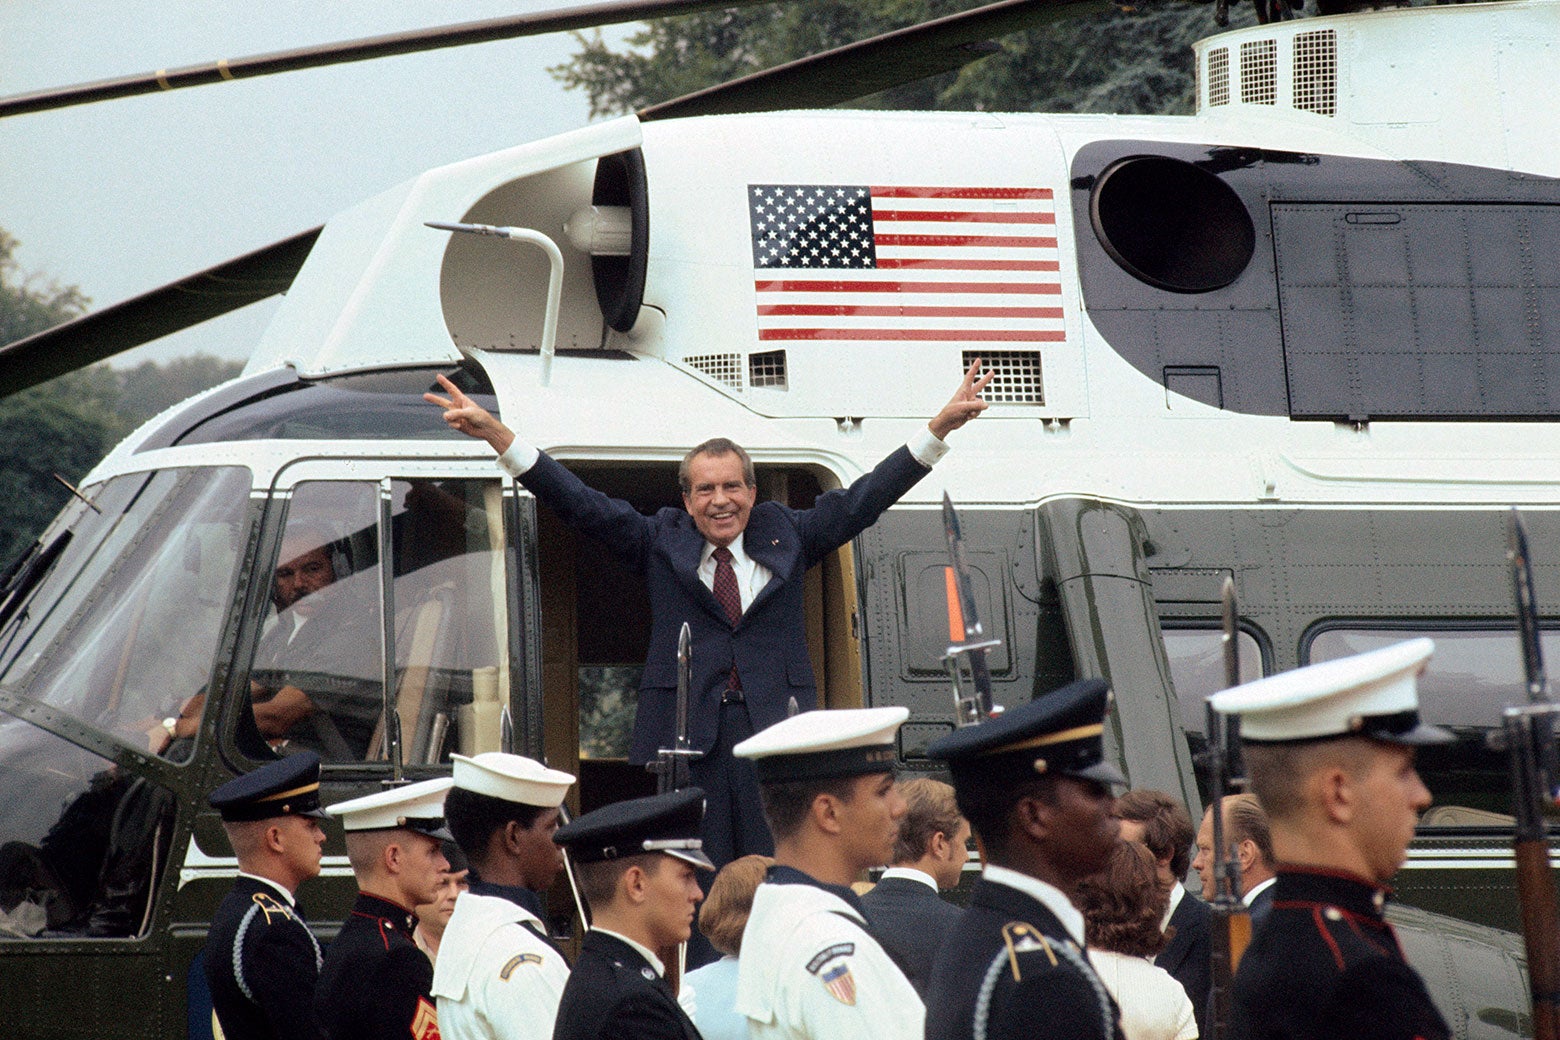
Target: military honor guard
(262, 962)
(500, 974)
(1036, 788)
(811, 968)
(636, 863)
(1330, 753)
(376, 983)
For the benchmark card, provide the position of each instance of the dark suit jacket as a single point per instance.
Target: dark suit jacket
(1012, 963)
(768, 644)
(1261, 906)
(614, 994)
(1189, 955)
(911, 921)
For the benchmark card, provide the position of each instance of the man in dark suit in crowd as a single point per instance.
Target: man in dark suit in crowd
(1246, 828)
(732, 568)
(262, 962)
(1159, 822)
(903, 909)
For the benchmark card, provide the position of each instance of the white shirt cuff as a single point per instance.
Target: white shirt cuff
(520, 457)
(926, 446)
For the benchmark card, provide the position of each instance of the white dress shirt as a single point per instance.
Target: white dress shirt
(912, 874)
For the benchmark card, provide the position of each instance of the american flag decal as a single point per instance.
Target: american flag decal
(937, 264)
(840, 983)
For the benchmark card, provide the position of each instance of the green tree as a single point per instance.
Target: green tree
(1127, 59)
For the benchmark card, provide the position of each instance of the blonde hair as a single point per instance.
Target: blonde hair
(725, 912)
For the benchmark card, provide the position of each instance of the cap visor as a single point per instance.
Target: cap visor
(694, 856)
(1100, 772)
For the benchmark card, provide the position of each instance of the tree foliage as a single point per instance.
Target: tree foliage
(1126, 59)
(66, 425)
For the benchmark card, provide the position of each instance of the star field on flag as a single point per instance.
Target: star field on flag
(950, 264)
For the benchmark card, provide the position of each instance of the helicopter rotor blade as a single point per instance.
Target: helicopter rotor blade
(584, 16)
(189, 301)
(869, 66)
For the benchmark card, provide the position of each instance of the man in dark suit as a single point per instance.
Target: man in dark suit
(1246, 829)
(904, 910)
(732, 568)
(262, 962)
(1159, 822)
(636, 862)
(1034, 785)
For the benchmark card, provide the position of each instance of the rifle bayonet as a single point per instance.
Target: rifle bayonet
(671, 764)
(967, 639)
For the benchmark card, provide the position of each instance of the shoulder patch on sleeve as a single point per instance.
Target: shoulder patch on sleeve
(840, 983)
(425, 1024)
(827, 954)
(514, 962)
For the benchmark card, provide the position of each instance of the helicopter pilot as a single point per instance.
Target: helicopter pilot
(732, 568)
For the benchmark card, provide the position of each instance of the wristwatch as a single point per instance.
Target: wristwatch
(171, 724)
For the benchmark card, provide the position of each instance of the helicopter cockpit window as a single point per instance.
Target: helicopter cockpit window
(1473, 675)
(317, 680)
(121, 632)
(82, 841)
(375, 406)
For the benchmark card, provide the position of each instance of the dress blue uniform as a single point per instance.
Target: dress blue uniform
(376, 984)
(262, 962)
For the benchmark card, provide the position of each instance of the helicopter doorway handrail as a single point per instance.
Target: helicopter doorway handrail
(554, 278)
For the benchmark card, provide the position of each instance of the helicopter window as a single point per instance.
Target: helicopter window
(1172, 224)
(375, 406)
(82, 841)
(317, 677)
(1196, 658)
(121, 632)
(1473, 676)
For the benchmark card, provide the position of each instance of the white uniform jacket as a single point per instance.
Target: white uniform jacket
(811, 969)
(495, 978)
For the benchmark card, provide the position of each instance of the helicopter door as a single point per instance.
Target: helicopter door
(340, 636)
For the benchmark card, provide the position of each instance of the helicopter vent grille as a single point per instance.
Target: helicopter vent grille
(1259, 72)
(767, 370)
(1017, 375)
(722, 368)
(1316, 72)
(1219, 76)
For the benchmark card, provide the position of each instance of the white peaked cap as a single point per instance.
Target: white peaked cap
(511, 778)
(820, 744)
(416, 807)
(1371, 694)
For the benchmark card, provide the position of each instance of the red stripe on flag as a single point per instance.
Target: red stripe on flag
(1019, 241)
(952, 335)
(963, 216)
(927, 264)
(901, 192)
(1020, 288)
(864, 311)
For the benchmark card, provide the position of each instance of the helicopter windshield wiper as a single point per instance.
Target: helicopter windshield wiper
(27, 573)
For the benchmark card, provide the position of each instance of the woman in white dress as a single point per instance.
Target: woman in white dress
(1122, 907)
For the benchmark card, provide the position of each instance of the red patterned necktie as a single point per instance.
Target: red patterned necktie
(725, 586)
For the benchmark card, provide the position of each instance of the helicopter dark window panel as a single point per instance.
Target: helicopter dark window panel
(81, 840)
(1419, 311)
(374, 406)
(1473, 676)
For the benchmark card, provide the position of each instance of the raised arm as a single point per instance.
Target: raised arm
(964, 405)
(470, 418)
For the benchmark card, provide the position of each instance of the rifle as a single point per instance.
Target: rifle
(1529, 732)
(967, 640)
(1231, 921)
(671, 774)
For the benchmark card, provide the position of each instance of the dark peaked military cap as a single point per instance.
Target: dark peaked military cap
(1057, 733)
(666, 823)
(290, 787)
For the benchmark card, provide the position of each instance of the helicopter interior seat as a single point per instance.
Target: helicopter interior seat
(1464, 816)
(422, 697)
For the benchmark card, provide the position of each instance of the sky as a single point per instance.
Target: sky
(120, 197)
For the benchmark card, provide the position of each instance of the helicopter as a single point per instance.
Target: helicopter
(1301, 339)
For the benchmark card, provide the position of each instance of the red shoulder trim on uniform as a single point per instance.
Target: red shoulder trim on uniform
(1321, 927)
